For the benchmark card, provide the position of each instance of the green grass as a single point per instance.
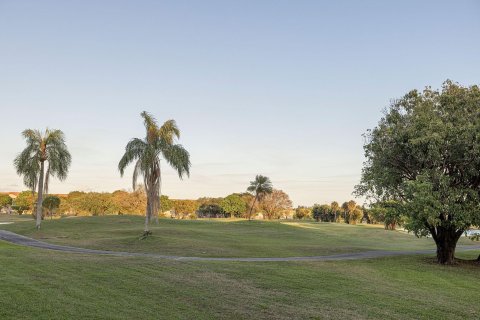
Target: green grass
(44, 284)
(15, 218)
(220, 238)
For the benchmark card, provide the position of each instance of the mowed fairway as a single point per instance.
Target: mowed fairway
(44, 284)
(220, 238)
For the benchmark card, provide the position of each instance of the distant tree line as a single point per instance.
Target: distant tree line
(387, 213)
(276, 205)
(349, 212)
(77, 203)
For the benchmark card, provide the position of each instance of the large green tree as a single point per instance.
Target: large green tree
(259, 187)
(45, 155)
(159, 142)
(233, 205)
(425, 152)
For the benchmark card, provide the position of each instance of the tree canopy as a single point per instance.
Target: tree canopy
(425, 153)
(5, 200)
(233, 205)
(51, 203)
(275, 203)
(302, 212)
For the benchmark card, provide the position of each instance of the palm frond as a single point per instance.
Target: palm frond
(32, 135)
(148, 119)
(178, 158)
(169, 131)
(260, 186)
(49, 146)
(151, 126)
(133, 151)
(136, 172)
(58, 156)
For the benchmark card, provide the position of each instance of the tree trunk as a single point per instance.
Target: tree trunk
(251, 208)
(40, 195)
(146, 231)
(446, 241)
(159, 209)
(147, 214)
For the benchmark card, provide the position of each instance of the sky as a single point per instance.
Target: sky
(280, 88)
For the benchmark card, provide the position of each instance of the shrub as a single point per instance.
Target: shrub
(210, 211)
(302, 212)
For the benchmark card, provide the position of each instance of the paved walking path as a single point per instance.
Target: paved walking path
(29, 242)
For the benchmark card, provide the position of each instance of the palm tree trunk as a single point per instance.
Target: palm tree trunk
(251, 208)
(147, 215)
(40, 195)
(145, 230)
(148, 209)
(153, 203)
(159, 209)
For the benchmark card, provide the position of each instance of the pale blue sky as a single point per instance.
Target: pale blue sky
(280, 88)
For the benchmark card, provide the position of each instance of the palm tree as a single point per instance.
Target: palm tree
(42, 148)
(335, 208)
(259, 187)
(146, 153)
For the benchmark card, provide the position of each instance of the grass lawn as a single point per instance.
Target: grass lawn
(219, 238)
(45, 284)
(4, 218)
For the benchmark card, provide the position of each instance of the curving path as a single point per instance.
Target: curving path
(29, 242)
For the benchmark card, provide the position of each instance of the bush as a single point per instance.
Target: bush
(302, 212)
(210, 211)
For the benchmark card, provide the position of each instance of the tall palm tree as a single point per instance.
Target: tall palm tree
(159, 142)
(335, 207)
(259, 187)
(43, 148)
